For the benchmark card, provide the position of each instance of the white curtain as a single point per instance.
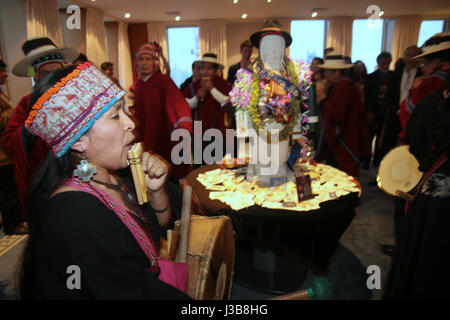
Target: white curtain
(124, 58)
(340, 35)
(96, 46)
(43, 20)
(406, 33)
(213, 39)
(156, 31)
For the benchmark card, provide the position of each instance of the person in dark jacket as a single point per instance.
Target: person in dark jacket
(246, 54)
(381, 107)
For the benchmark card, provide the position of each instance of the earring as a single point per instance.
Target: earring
(85, 171)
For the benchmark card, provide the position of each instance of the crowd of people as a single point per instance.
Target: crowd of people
(64, 147)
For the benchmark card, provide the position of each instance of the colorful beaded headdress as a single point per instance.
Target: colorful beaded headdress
(152, 49)
(67, 110)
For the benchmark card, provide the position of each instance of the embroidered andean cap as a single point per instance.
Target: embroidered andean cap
(67, 110)
(152, 49)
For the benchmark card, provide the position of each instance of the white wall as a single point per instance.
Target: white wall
(13, 33)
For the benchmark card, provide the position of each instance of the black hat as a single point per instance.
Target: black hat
(437, 43)
(36, 48)
(271, 25)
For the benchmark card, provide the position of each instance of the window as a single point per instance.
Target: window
(183, 51)
(308, 39)
(367, 42)
(428, 28)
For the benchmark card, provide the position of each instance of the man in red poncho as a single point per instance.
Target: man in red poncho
(208, 97)
(344, 137)
(28, 151)
(159, 108)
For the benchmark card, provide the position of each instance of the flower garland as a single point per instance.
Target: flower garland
(293, 112)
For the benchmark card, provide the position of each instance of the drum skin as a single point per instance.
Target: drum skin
(398, 171)
(210, 257)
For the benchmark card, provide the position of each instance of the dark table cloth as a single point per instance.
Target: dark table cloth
(312, 235)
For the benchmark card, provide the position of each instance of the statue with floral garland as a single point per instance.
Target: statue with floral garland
(268, 96)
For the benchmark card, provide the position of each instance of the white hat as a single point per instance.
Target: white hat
(211, 58)
(37, 48)
(438, 42)
(335, 61)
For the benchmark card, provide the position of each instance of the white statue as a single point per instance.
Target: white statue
(274, 108)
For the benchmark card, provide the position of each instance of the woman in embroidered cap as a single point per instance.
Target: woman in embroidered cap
(89, 239)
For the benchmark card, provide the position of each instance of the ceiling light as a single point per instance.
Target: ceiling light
(127, 15)
(314, 14)
(244, 16)
(381, 13)
(269, 1)
(177, 18)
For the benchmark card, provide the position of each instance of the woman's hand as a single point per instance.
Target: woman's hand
(156, 170)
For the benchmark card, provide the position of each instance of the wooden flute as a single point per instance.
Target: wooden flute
(135, 163)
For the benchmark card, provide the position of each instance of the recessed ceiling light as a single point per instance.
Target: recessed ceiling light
(127, 15)
(381, 13)
(244, 16)
(177, 18)
(314, 14)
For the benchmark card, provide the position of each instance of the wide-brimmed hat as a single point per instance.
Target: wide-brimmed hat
(271, 26)
(335, 61)
(211, 58)
(44, 48)
(438, 42)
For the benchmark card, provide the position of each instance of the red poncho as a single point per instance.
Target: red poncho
(209, 111)
(26, 162)
(345, 132)
(430, 84)
(160, 108)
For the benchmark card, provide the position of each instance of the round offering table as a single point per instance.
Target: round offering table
(276, 242)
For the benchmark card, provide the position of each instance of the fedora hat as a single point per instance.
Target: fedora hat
(271, 26)
(40, 47)
(335, 61)
(211, 58)
(438, 42)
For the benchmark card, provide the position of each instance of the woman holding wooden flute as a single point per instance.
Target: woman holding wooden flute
(89, 237)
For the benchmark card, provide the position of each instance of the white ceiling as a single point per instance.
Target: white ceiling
(193, 10)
